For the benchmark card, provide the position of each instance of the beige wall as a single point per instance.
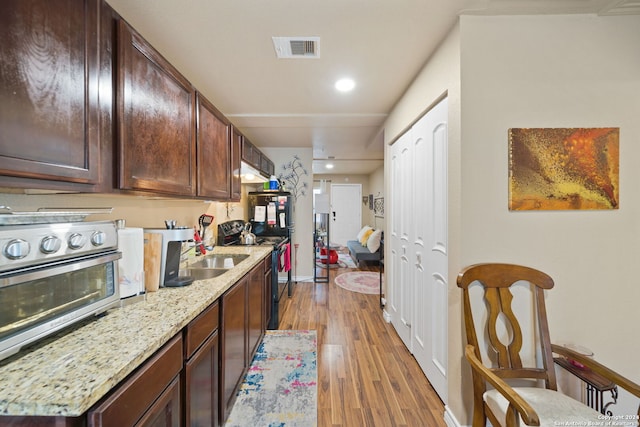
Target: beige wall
(538, 71)
(557, 71)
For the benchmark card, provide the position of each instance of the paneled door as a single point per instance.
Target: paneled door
(418, 264)
(346, 212)
(400, 287)
(429, 239)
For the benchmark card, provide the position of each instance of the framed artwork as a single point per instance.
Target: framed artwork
(563, 168)
(370, 202)
(378, 206)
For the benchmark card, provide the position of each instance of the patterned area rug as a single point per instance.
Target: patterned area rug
(280, 389)
(365, 282)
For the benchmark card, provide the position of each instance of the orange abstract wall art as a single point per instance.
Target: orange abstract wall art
(563, 168)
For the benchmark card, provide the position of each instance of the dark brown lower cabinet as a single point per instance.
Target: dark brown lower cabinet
(201, 384)
(268, 291)
(233, 344)
(165, 412)
(201, 369)
(255, 303)
(148, 397)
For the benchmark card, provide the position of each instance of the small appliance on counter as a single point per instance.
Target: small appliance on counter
(131, 265)
(163, 248)
(55, 270)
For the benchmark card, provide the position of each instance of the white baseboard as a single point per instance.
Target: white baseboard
(386, 316)
(450, 419)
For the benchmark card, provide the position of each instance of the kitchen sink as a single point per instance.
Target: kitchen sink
(211, 266)
(219, 261)
(204, 273)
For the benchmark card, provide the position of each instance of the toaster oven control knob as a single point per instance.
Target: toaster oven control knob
(76, 241)
(98, 238)
(50, 244)
(17, 249)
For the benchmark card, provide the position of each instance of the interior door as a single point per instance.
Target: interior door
(346, 212)
(400, 286)
(429, 240)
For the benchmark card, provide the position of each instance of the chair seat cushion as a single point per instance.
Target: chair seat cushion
(553, 408)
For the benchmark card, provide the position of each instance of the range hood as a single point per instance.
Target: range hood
(251, 175)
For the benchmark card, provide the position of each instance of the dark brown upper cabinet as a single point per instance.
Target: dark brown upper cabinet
(156, 120)
(236, 152)
(250, 154)
(214, 151)
(51, 122)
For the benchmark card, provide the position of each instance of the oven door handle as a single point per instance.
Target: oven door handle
(41, 271)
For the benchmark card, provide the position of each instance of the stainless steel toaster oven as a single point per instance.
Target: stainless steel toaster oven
(53, 275)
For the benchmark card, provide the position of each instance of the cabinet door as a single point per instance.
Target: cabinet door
(265, 165)
(247, 151)
(165, 412)
(233, 343)
(255, 308)
(49, 83)
(236, 151)
(156, 120)
(214, 151)
(201, 385)
(251, 154)
(268, 293)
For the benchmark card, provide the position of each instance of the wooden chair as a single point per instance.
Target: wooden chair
(505, 403)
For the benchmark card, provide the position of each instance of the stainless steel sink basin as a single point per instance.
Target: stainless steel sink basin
(219, 261)
(213, 265)
(204, 273)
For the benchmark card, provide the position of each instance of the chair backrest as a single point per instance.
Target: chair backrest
(497, 283)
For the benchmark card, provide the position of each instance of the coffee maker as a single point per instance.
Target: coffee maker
(171, 249)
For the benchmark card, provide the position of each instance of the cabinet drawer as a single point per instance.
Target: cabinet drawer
(130, 400)
(200, 328)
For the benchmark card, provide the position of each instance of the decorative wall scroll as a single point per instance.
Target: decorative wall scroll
(563, 168)
(378, 206)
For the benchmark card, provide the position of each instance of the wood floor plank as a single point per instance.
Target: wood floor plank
(366, 376)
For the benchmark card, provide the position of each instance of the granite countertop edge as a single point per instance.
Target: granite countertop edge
(66, 374)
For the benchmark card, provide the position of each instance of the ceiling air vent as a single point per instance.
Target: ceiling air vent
(297, 47)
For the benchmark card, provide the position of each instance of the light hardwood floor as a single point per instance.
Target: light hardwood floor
(366, 376)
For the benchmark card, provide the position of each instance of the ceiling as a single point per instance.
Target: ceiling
(225, 48)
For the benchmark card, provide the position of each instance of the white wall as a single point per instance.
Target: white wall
(303, 236)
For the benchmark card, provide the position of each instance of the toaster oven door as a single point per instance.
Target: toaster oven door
(40, 300)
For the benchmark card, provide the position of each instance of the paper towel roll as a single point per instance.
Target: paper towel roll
(131, 266)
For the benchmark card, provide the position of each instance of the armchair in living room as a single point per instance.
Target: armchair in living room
(514, 380)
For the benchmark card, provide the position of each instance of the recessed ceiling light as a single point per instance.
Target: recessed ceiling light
(345, 85)
(329, 166)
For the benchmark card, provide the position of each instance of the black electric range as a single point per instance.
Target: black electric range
(281, 278)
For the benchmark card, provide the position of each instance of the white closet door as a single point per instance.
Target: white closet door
(429, 258)
(418, 258)
(399, 287)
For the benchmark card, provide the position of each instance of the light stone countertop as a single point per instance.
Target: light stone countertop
(69, 372)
